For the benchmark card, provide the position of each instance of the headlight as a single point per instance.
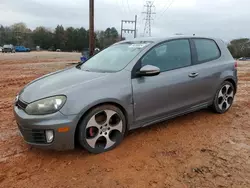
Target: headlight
(46, 106)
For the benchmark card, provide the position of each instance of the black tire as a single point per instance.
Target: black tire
(82, 130)
(215, 105)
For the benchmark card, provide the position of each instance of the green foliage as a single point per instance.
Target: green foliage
(42, 37)
(66, 39)
(107, 37)
(240, 47)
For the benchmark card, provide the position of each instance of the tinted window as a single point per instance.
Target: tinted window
(206, 49)
(170, 55)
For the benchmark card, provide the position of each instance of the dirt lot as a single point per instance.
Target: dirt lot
(201, 149)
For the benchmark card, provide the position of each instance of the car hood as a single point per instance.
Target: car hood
(57, 83)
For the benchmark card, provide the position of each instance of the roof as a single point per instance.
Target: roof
(160, 39)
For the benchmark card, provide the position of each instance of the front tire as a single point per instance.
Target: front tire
(224, 98)
(102, 129)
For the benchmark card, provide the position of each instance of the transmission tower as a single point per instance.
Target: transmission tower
(147, 29)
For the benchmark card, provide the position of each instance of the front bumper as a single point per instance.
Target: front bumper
(33, 127)
(6, 50)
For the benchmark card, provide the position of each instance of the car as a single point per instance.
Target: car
(58, 50)
(1, 49)
(22, 49)
(131, 84)
(51, 49)
(244, 59)
(8, 48)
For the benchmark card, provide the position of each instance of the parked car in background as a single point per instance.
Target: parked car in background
(131, 84)
(1, 48)
(244, 59)
(58, 50)
(8, 48)
(51, 49)
(22, 49)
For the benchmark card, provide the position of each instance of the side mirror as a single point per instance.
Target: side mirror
(149, 70)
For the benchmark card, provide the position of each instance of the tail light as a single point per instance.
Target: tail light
(235, 64)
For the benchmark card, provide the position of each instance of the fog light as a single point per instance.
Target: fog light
(49, 136)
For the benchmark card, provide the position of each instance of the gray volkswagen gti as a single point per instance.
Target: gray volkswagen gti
(128, 85)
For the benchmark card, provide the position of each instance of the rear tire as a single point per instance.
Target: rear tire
(224, 97)
(102, 129)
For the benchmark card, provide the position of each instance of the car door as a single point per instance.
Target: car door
(208, 65)
(173, 89)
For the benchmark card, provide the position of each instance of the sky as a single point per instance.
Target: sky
(225, 19)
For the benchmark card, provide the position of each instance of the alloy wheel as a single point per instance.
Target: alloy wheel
(225, 97)
(104, 129)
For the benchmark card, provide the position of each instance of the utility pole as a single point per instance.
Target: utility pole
(91, 28)
(135, 26)
(147, 29)
(129, 30)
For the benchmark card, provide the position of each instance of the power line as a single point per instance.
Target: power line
(122, 10)
(128, 7)
(163, 7)
(166, 8)
(140, 19)
(123, 5)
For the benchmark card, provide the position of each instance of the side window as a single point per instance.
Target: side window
(206, 49)
(170, 55)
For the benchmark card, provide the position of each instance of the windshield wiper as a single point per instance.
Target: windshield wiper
(78, 66)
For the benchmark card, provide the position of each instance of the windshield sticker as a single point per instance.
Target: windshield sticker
(138, 45)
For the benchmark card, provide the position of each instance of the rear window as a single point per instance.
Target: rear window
(207, 50)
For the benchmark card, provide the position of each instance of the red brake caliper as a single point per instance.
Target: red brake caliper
(91, 131)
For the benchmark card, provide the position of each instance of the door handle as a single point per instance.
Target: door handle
(193, 75)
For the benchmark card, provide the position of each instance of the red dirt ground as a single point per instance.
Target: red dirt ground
(201, 149)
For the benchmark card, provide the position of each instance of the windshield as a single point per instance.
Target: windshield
(114, 58)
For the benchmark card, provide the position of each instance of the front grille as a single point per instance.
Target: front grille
(36, 136)
(21, 104)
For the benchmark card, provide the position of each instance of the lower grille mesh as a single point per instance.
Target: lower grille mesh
(33, 135)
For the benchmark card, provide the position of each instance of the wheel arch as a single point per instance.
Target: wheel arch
(231, 80)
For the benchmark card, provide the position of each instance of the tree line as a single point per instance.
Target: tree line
(66, 39)
(240, 47)
(77, 39)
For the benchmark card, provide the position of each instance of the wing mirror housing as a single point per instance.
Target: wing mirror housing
(149, 70)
